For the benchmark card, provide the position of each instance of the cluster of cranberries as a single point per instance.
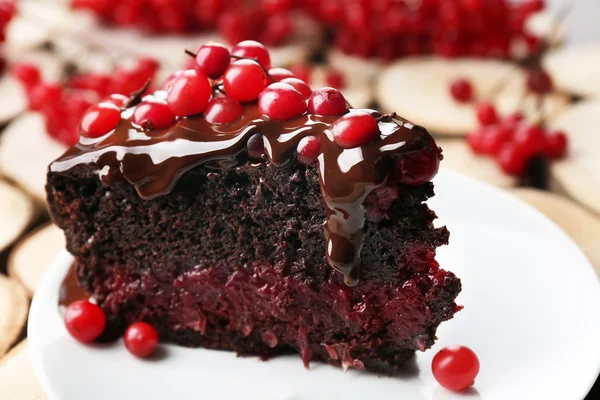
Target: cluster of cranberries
(512, 141)
(266, 20)
(64, 105)
(220, 82)
(86, 321)
(389, 29)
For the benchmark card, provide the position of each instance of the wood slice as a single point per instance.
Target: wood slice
(574, 69)
(32, 255)
(17, 378)
(26, 149)
(418, 89)
(16, 213)
(579, 173)
(579, 223)
(14, 305)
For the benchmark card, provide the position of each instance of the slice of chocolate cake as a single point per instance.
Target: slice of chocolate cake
(262, 236)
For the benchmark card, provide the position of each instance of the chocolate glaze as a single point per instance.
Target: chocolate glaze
(152, 161)
(70, 291)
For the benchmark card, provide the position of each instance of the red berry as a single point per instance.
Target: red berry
(278, 28)
(85, 321)
(475, 141)
(309, 149)
(281, 102)
(27, 74)
(244, 80)
(461, 90)
(539, 82)
(141, 339)
(280, 73)
(148, 66)
(555, 144)
(45, 93)
(222, 110)
(118, 100)
(355, 129)
(253, 49)
(213, 59)
(189, 93)
(335, 79)
(513, 118)
(153, 115)
(100, 119)
(418, 167)
(302, 72)
(299, 85)
(494, 138)
(327, 101)
(455, 367)
(256, 147)
(486, 114)
(171, 78)
(529, 139)
(512, 159)
(276, 6)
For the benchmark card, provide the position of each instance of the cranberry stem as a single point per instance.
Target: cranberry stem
(189, 53)
(386, 117)
(136, 97)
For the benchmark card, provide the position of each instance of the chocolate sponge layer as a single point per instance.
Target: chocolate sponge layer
(235, 259)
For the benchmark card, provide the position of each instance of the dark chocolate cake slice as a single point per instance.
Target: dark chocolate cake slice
(220, 236)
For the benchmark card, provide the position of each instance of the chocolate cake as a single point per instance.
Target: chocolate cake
(219, 237)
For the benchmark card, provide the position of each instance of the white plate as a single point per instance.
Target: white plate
(530, 296)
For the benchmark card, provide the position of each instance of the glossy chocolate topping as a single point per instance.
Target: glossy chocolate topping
(70, 291)
(153, 161)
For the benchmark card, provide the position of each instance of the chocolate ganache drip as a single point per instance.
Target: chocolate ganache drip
(153, 160)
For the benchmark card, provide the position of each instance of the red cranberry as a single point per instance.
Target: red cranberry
(244, 80)
(539, 82)
(281, 102)
(153, 115)
(418, 167)
(486, 114)
(256, 147)
(85, 321)
(461, 90)
(355, 129)
(299, 85)
(335, 79)
(530, 139)
(302, 72)
(253, 49)
(494, 138)
(475, 141)
(147, 66)
(213, 59)
(512, 159)
(141, 339)
(276, 6)
(45, 93)
(222, 110)
(327, 101)
(27, 74)
(169, 81)
(100, 119)
(455, 367)
(189, 93)
(555, 144)
(309, 149)
(280, 74)
(513, 118)
(278, 27)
